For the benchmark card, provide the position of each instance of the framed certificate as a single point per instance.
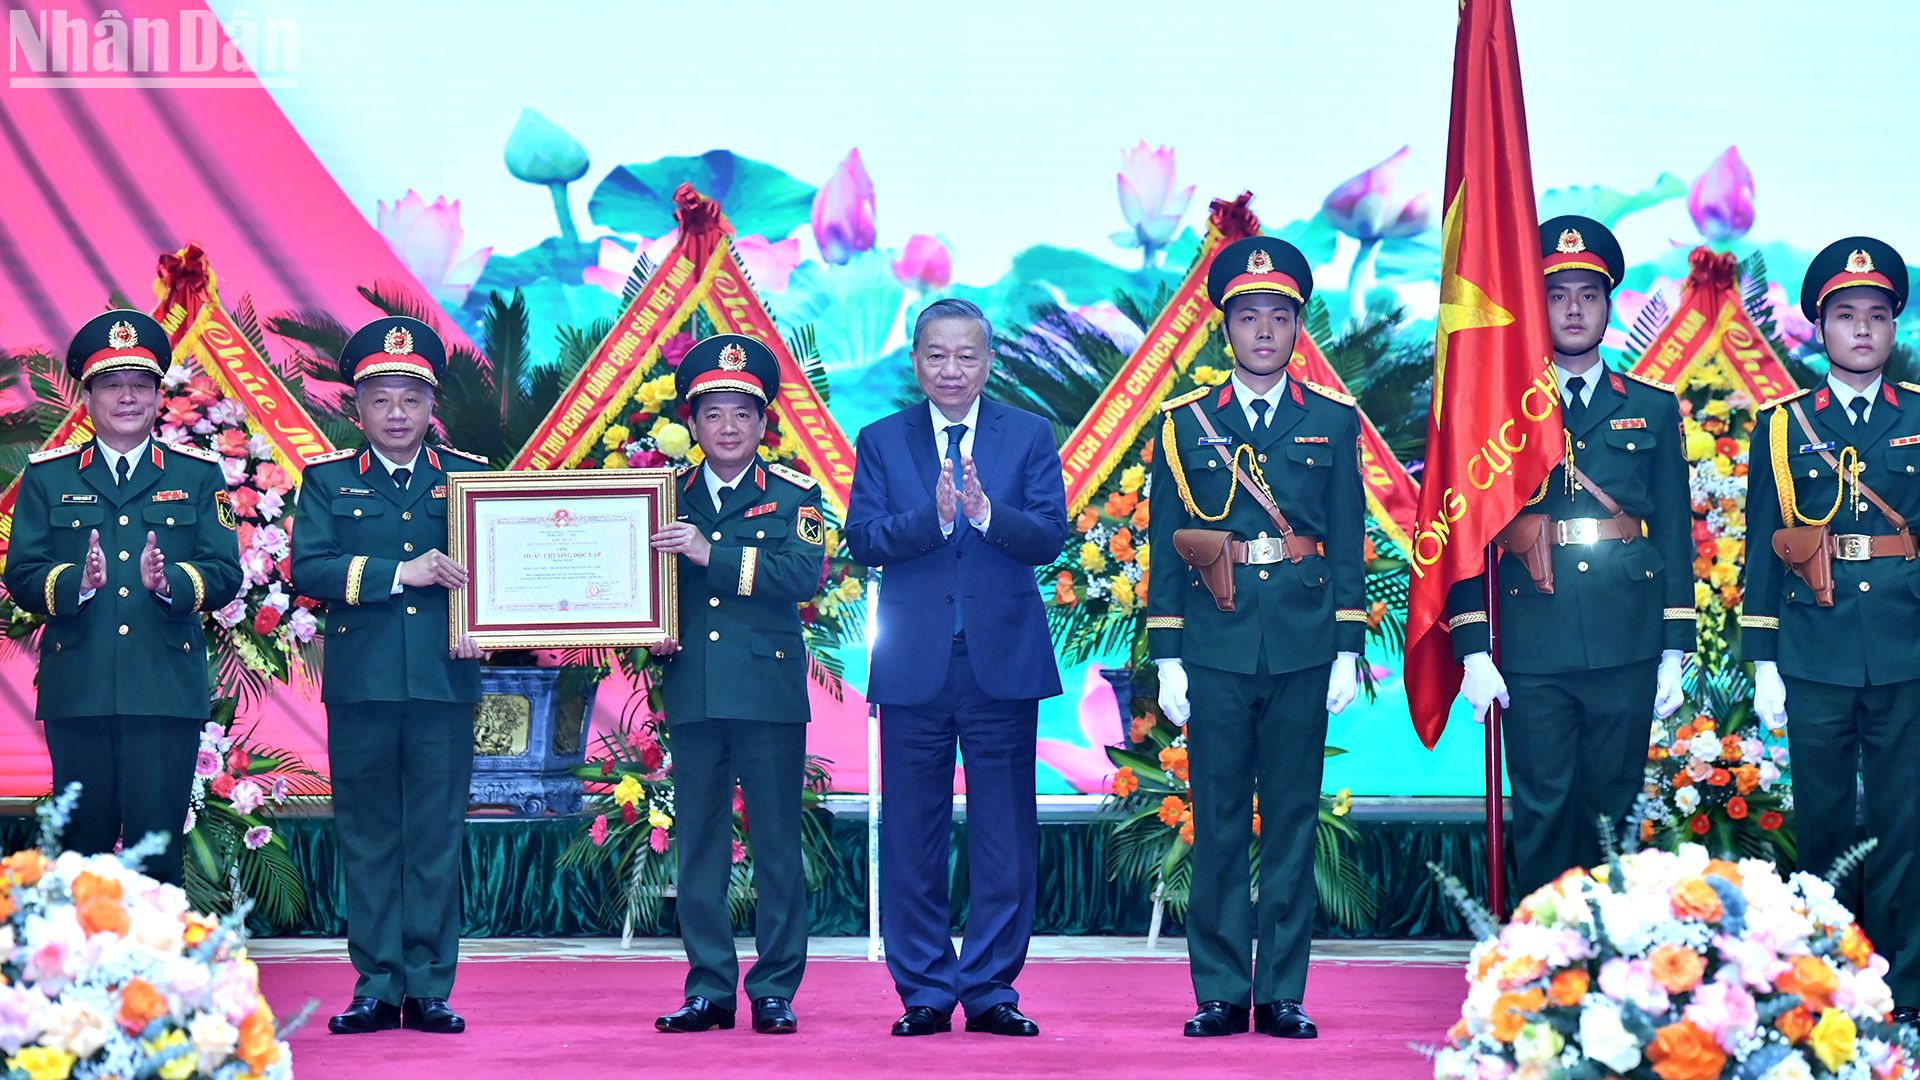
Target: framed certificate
(562, 559)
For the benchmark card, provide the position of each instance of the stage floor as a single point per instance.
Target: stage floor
(1107, 1007)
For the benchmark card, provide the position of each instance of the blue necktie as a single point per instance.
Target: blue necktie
(955, 433)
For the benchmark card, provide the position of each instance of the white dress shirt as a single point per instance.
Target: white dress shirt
(940, 426)
(1844, 395)
(1592, 375)
(719, 488)
(1244, 394)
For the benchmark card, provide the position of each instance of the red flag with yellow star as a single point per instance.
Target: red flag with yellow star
(1495, 431)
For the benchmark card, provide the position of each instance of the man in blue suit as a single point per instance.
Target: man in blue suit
(958, 499)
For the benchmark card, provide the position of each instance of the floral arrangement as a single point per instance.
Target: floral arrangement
(1715, 778)
(232, 852)
(1679, 966)
(110, 974)
(631, 797)
(1153, 837)
(1717, 421)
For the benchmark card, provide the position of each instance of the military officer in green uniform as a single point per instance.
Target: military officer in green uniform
(369, 540)
(1256, 488)
(1592, 638)
(1835, 486)
(122, 542)
(750, 541)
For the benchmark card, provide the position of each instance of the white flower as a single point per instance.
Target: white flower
(1707, 749)
(1686, 800)
(236, 990)
(203, 426)
(276, 598)
(234, 470)
(214, 1040)
(226, 413)
(1864, 993)
(230, 616)
(247, 797)
(1537, 1044)
(259, 448)
(172, 433)
(74, 1025)
(302, 625)
(1792, 1067)
(1604, 1038)
(271, 503)
(176, 377)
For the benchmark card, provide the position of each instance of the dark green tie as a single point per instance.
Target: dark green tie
(123, 471)
(400, 478)
(1576, 410)
(1259, 407)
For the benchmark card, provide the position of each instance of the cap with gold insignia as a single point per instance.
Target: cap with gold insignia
(1259, 264)
(119, 340)
(1855, 260)
(1572, 242)
(395, 345)
(729, 362)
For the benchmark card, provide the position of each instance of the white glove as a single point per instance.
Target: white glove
(1482, 685)
(1173, 691)
(1769, 695)
(1666, 694)
(1343, 682)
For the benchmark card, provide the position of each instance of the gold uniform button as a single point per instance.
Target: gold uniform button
(760, 534)
(406, 546)
(1860, 507)
(186, 646)
(713, 635)
(1309, 461)
(124, 556)
(716, 534)
(411, 610)
(1263, 575)
(1630, 446)
(356, 511)
(1263, 460)
(169, 521)
(1909, 468)
(713, 601)
(1580, 446)
(779, 654)
(76, 524)
(1583, 566)
(124, 520)
(123, 590)
(123, 629)
(1813, 474)
(1649, 575)
(1213, 463)
(1864, 587)
(406, 515)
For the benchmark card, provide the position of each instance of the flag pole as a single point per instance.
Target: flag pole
(1496, 828)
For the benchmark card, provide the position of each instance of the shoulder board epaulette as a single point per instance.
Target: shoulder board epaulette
(1191, 395)
(1644, 381)
(332, 455)
(1785, 399)
(1910, 387)
(1329, 393)
(791, 476)
(193, 451)
(57, 452)
(475, 458)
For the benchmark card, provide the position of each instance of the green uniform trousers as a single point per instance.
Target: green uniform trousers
(135, 775)
(1576, 745)
(1838, 733)
(1248, 729)
(768, 762)
(400, 778)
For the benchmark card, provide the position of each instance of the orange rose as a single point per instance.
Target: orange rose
(25, 867)
(1124, 782)
(1703, 723)
(1520, 971)
(91, 886)
(257, 1046)
(1646, 831)
(1855, 946)
(1796, 1024)
(1120, 504)
(140, 1005)
(1677, 968)
(1702, 567)
(1174, 760)
(1725, 871)
(1121, 545)
(101, 915)
(1730, 747)
(1140, 520)
(1680, 780)
(1569, 987)
(1063, 594)
(1146, 453)
(1685, 731)
(1511, 1012)
(1813, 981)
(1746, 778)
(1457, 1034)
(1171, 808)
(1695, 899)
(1088, 519)
(1487, 962)
(1684, 1052)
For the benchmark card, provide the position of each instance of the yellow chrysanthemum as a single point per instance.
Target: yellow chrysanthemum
(1132, 477)
(696, 455)
(1121, 589)
(627, 791)
(1092, 559)
(674, 440)
(1702, 594)
(1722, 465)
(1719, 409)
(1699, 445)
(1140, 557)
(1206, 375)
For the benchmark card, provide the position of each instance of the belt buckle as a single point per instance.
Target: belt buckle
(1853, 547)
(1578, 531)
(1265, 549)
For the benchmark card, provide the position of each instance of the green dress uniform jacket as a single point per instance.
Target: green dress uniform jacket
(125, 652)
(1613, 603)
(353, 530)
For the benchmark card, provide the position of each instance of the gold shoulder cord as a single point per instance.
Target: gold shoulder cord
(1170, 445)
(1566, 475)
(1783, 474)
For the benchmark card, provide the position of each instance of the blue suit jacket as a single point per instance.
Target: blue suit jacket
(892, 523)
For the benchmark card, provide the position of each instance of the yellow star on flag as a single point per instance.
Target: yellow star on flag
(1463, 305)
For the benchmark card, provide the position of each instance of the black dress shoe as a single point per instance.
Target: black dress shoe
(365, 1014)
(1003, 1019)
(1906, 1014)
(432, 1015)
(698, 1014)
(1284, 1019)
(923, 1020)
(774, 1016)
(1216, 1018)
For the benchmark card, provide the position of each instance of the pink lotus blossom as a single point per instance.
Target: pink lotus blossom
(657, 840)
(843, 212)
(207, 763)
(769, 263)
(426, 237)
(1721, 199)
(1148, 201)
(615, 265)
(257, 837)
(1375, 205)
(597, 832)
(924, 264)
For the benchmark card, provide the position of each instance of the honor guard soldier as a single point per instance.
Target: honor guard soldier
(1833, 593)
(1257, 490)
(122, 542)
(750, 540)
(368, 540)
(1594, 583)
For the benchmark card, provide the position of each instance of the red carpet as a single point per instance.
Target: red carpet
(1098, 1019)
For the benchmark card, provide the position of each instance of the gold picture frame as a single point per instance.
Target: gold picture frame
(562, 559)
